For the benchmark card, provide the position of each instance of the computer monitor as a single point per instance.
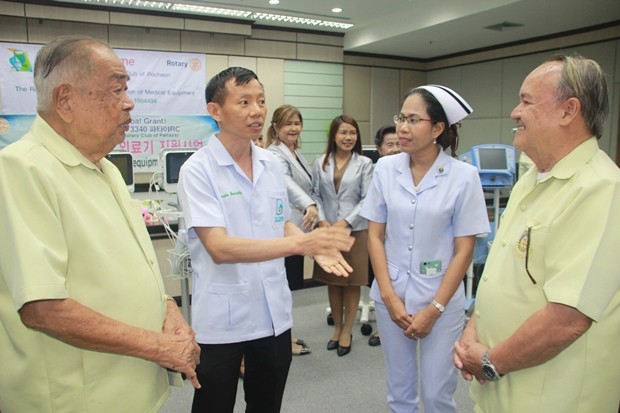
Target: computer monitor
(371, 152)
(171, 161)
(496, 164)
(124, 163)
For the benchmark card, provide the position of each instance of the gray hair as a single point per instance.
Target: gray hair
(585, 80)
(64, 59)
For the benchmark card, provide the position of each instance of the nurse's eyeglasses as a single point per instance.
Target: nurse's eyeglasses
(411, 120)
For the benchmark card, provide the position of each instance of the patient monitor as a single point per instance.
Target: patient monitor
(124, 162)
(171, 162)
(496, 164)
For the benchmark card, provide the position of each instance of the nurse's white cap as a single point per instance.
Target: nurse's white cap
(455, 107)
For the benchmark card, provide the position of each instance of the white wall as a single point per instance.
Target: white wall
(492, 89)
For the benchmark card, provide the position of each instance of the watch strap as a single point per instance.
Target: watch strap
(440, 307)
(488, 369)
(168, 297)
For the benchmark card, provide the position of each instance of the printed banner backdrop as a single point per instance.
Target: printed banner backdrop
(13, 127)
(16, 82)
(148, 135)
(160, 82)
(165, 83)
(167, 88)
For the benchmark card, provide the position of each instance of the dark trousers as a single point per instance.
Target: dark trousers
(267, 361)
(295, 271)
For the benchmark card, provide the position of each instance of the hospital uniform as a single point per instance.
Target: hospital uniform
(572, 254)
(72, 231)
(236, 302)
(421, 225)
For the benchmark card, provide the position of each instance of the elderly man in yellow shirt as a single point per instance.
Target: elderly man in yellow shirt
(85, 322)
(546, 327)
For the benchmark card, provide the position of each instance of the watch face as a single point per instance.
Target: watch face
(489, 372)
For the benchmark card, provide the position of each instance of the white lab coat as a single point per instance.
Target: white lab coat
(237, 301)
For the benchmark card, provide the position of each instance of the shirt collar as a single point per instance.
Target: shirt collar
(440, 166)
(58, 146)
(567, 166)
(223, 158)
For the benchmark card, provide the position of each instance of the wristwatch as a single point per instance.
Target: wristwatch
(488, 369)
(441, 308)
(169, 298)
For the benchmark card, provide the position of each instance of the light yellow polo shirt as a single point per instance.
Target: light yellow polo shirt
(574, 216)
(70, 230)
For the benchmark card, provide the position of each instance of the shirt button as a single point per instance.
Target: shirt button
(413, 202)
(410, 247)
(477, 314)
(410, 226)
(504, 243)
(408, 272)
(523, 207)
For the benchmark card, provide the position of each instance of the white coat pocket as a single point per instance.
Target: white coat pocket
(229, 306)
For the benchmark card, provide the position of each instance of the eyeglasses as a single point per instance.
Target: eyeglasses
(527, 254)
(411, 120)
(349, 133)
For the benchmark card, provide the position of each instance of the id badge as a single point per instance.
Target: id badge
(430, 267)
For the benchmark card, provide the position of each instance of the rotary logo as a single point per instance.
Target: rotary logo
(195, 65)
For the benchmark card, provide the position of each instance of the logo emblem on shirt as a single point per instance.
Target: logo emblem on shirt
(279, 217)
(522, 245)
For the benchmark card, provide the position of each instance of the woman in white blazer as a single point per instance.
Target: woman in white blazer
(283, 137)
(340, 180)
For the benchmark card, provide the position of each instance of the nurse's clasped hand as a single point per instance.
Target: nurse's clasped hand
(398, 312)
(325, 245)
(415, 326)
(422, 322)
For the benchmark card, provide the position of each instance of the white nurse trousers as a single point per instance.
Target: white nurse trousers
(437, 374)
